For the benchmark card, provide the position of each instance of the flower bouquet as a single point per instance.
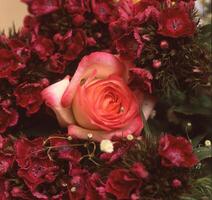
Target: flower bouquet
(106, 100)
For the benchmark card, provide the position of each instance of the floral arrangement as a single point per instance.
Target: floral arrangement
(105, 100)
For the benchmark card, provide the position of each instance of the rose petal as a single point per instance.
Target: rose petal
(52, 96)
(104, 63)
(148, 105)
(134, 128)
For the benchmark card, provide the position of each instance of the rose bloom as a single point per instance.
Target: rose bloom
(97, 99)
(175, 22)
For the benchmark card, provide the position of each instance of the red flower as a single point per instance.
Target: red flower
(142, 78)
(56, 63)
(77, 45)
(122, 183)
(78, 184)
(20, 49)
(9, 65)
(28, 95)
(44, 47)
(3, 142)
(77, 6)
(103, 10)
(42, 7)
(20, 193)
(65, 151)
(39, 171)
(176, 152)
(96, 189)
(4, 189)
(26, 149)
(120, 148)
(6, 161)
(139, 170)
(175, 22)
(132, 48)
(8, 116)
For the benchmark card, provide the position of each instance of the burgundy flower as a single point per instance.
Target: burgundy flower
(176, 152)
(8, 116)
(3, 142)
(144, 4)
(42, 7)
(103, 9)
(40, 170)
(63, 40)
(78, 184)
(139, 170)
(9, 65)
(43, 46)
(56, 63)
(6, 161)
(76, 46)
(4, 189)
(175, 22)
(120, 148)
(65, 151)
(142, 78)
(95, 188)
(28, 95)
(27, 149)
(30, 25)
(77, 6)
(122, 184)
(20, 193)
(131, 49)
(20, 49)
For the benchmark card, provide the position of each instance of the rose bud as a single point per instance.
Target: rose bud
(176, 183)
(156, 64)
(78, 20)
(164, 44)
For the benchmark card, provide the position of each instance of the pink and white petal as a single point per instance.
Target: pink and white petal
(134, 128)
(104, 63)
(148, 105)
(52, 96)
(82, 133)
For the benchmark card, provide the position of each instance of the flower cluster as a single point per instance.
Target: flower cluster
(94, 68)
(58, 33)
(50, 168)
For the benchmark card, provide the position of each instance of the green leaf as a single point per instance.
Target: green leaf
(198, 139)
(203, 152)
(201, 189)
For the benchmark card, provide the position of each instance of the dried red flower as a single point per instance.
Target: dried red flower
(4, 189)
(8, 116)
(176, 152)
(43, 46)
(28, 95)
(103, 10)
(42, 7)
(10, 64)
(175, 22)
(27, 149)
(6, 161)
(40, 170)
(77, 45)
(122, 183)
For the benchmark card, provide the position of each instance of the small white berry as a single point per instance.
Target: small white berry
(207, 143)
(106, 146)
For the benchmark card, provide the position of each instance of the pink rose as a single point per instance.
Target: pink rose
(97, 99)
